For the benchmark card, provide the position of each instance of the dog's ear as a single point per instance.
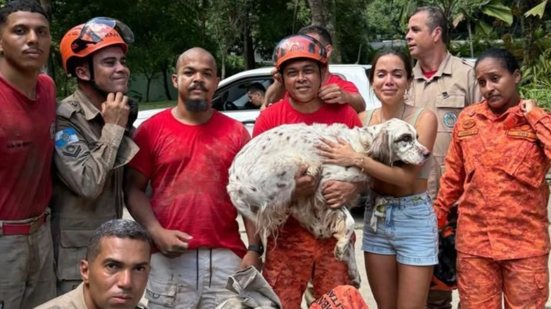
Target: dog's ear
(366, 136)
(381, 149)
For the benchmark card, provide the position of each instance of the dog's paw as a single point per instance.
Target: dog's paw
(340, 251)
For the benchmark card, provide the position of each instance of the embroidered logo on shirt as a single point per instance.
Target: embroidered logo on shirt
(71, 151)
(468, 123)
(65, 137)
(449, 119)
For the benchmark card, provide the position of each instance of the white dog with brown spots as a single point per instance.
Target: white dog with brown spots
(262, 176)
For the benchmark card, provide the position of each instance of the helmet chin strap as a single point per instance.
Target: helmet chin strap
(92, 80)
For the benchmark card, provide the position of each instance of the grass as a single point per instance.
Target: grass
(152, 105)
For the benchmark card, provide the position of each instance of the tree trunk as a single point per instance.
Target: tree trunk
(470, 38)
(318, 9)
(165, 81)
(324, 14)
(149, 78)
(248, 50)
(223, 68)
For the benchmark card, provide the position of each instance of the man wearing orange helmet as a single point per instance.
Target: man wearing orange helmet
(334, 90)
(91, 141)
(27, 116)
(297, 256)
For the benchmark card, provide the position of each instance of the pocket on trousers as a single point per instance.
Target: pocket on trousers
(419, 212)
(72, 249)
(163, 294)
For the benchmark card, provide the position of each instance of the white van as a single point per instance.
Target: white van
(231, 95)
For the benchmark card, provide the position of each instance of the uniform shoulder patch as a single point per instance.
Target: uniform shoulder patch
(65, 137)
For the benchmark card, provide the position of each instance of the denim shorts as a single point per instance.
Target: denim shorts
(402, 226)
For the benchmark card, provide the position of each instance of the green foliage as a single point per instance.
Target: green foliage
(537, 80)
(153, 105)
(350, 30)
(538, 10)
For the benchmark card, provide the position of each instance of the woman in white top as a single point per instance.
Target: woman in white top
(400, 240)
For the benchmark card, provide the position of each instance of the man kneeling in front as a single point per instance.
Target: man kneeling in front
(115, 270)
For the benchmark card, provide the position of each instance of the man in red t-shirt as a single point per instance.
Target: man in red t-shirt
(297, 256)
(334, 89)
(27, 117)
(185, 154)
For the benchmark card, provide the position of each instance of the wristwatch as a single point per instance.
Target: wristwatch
(258, 248)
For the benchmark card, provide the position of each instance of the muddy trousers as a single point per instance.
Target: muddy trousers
(27, 264)
(483, 282)
(296, 257)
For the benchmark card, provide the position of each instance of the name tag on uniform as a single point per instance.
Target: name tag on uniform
(522, 134)
(465, 133)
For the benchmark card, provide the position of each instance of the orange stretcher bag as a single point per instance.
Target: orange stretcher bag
(341, 297)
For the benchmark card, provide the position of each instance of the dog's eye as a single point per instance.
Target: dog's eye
(405, 138)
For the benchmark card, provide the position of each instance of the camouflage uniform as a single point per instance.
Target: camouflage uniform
(495, 171)
(88, 189)
(295, 257)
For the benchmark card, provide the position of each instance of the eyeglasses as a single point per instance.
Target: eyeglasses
(98, 28)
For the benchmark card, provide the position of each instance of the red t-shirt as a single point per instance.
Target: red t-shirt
(26, 148)
(333, 79)
(284, 113)
(343, 84)
(188, 169)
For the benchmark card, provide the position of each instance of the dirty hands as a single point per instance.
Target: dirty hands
(251, 258)
(171, 243)
(115, 109)
(527, 105)
(332, 93)
(305, 184)
(339, 193)
(338, 153)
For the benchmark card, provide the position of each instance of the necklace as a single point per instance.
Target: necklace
(383, 119)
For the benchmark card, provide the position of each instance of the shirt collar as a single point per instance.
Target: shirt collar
(89, 109)
(485, 111)
(445, 68)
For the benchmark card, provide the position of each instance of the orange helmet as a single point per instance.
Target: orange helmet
(299, 46)
(98, 33)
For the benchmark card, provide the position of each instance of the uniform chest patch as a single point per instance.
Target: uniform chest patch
(65, 137)
(468, 123)
(449, 119)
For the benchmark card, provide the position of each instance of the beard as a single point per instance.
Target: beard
(196, 106)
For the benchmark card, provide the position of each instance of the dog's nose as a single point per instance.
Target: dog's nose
(426, 154)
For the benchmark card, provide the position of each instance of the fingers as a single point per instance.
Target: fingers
(331, 94)
(172, 243)
(527, 105)
(337, 193)
(301, 171)
(115, 109)
(185, 238)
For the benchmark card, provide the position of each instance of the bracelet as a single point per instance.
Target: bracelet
(258, 248)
